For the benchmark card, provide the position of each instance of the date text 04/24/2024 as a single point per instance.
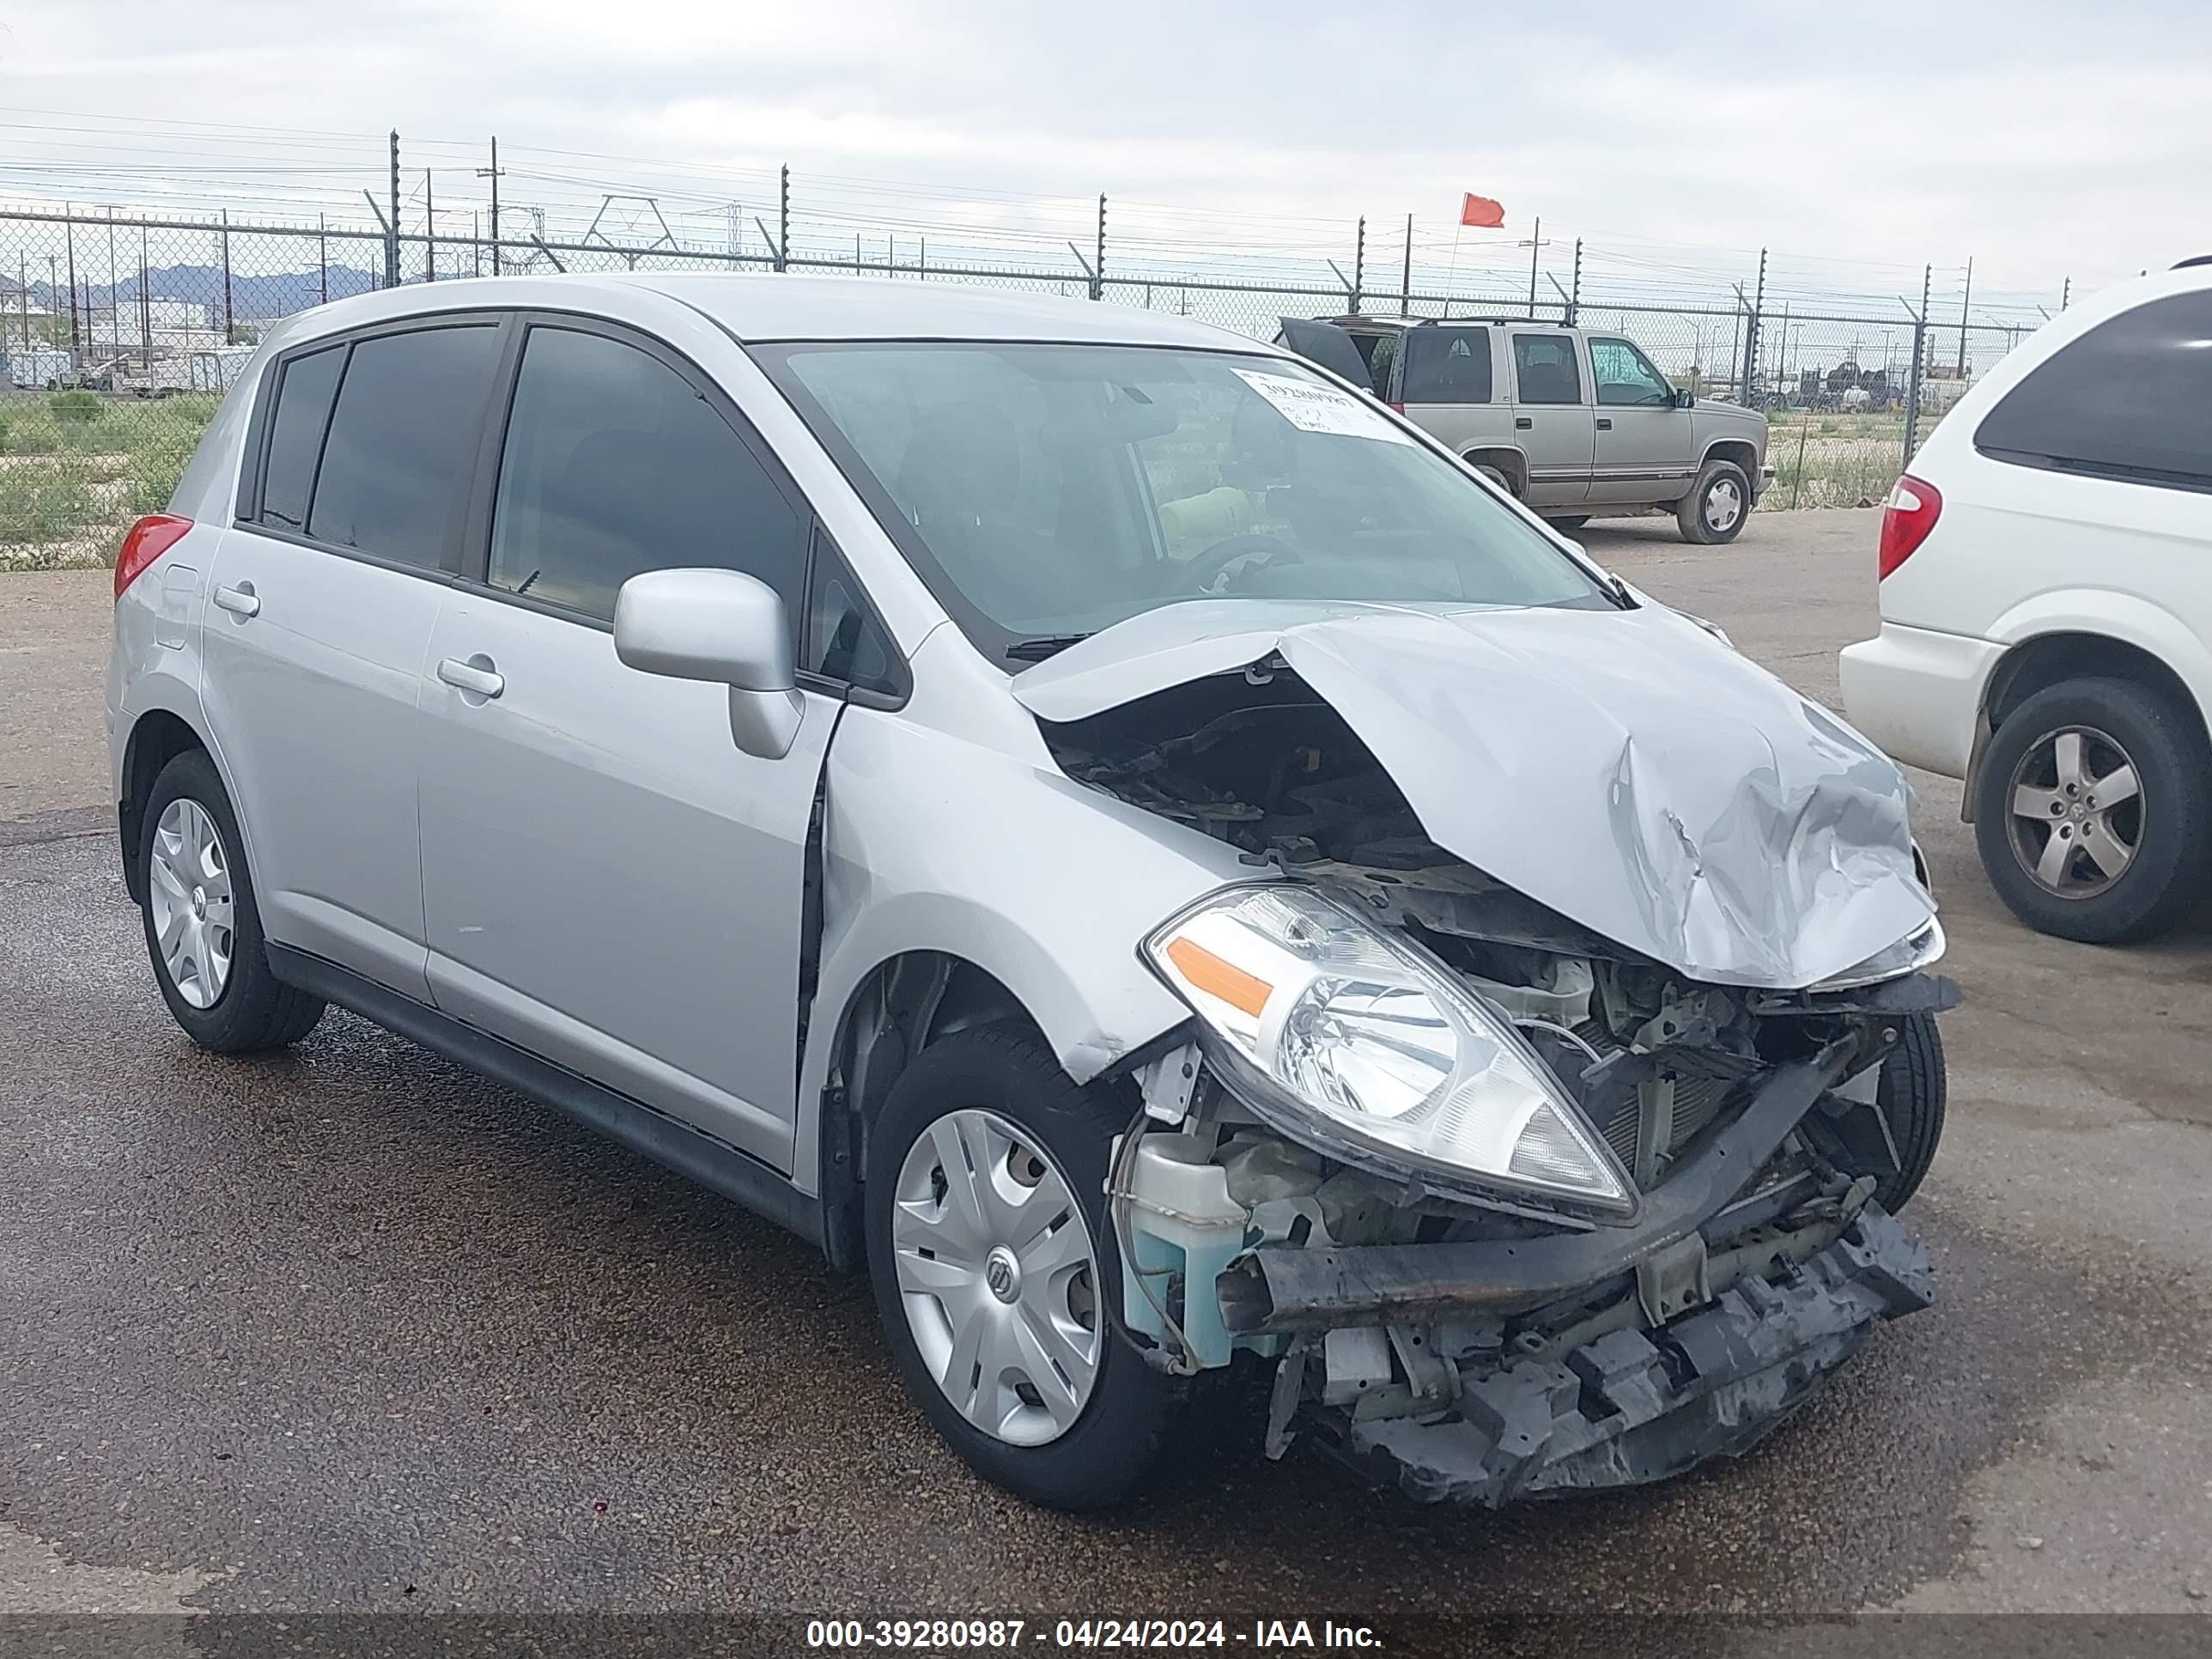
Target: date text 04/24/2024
(984, 1635)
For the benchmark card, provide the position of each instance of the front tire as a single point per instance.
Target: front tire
(995, 1272)
(1573, 521)
(203, 928)
(1718, 502)
(2090, 811)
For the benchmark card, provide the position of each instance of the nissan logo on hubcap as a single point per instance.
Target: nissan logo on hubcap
(1003, 1273)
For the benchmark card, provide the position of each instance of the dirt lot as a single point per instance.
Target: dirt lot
(350, 1329)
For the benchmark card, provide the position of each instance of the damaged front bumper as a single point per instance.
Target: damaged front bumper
(1634, 1406)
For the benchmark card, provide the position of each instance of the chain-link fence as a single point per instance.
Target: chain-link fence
(165, 309)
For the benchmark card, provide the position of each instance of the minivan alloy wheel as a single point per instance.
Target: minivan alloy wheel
(189, 892)
(998, 1277)
(2076, 806)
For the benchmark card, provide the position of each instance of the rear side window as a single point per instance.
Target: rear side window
(295, 436)
(2131, 398)
(1447, 366)
(402, 437)
(1545, 364)
(615, 464)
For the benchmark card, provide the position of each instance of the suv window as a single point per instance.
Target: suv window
(304, 394)
(1545, 364)
(2131, 398)
(1447, 366)
(616, 464)
(1624, 375)
(401, 438)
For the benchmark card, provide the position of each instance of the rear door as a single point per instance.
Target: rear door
(1446, 380)
(320, 607)
(609, 880)
(1552, 417)
(1647, 448)
(1324, 343)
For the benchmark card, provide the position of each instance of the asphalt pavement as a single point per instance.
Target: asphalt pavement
(351, 1330)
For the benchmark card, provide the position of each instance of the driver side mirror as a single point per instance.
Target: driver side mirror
(722, 627)
(1685, 398)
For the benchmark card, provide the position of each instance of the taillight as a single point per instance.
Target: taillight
(1906, 518)
(145, 542)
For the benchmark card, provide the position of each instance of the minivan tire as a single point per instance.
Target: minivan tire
(1114, 1447)
(253, 1010)
(2165, 880)
(1690, 511)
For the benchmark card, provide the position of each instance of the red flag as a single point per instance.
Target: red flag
(1480, 210)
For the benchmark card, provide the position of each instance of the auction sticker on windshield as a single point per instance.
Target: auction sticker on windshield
(1312, 407)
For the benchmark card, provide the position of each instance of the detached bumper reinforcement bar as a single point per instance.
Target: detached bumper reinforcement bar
(1284, 1288)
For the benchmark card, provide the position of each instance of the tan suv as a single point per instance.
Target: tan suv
(1578, 424)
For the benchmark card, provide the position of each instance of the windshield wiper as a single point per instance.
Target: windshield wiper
(1047, 645)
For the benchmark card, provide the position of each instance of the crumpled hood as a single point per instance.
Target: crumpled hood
(1623, 767)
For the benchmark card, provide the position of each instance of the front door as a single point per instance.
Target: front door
(1552, 416)
(1646, 446)
(608, 880)
(324, 594)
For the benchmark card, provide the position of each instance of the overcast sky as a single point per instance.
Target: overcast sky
(2045, 141)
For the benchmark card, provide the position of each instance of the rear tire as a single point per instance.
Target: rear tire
(2164, 826)
(1716, 506)
(213, 971)
(1005, 1075)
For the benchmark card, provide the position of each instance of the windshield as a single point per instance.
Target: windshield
(1047, 492)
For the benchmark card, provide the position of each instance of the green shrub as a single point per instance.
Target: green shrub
(76, 406)
(35, 440)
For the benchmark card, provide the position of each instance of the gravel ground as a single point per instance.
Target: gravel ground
(349, 1330)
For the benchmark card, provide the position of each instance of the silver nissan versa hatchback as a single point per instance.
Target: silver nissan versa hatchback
(1077, 812)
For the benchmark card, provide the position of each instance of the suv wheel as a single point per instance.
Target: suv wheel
(203, 930)
(995, 1273)
(1716, 506)
(2090, 811)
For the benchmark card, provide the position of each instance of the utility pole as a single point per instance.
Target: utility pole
(1406, 286)
(1965, 300)
(1535, 247)
(783, 222)
(430, 231)
(1098, 263)
(229, 328)
(492, 174)
(392, 225)
(1358, 262)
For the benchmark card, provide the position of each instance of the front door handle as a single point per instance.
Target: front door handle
(1605, 422)
(239, 601)
(476, 675)
(1523, 423)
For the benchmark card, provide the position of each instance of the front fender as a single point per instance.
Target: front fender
(936, 842)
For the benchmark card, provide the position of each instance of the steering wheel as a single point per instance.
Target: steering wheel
(1211, 565)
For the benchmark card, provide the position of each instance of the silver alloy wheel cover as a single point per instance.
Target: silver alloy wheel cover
(2083, 817)
(1724, 504)
(189, 896)
(996, 1267)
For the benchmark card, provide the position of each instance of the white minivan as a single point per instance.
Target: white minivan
(2046, 612)
(1070, 808)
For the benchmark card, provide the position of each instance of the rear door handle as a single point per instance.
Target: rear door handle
(1605, 422)
(239, 601)
(1523, 423)
(474, 676)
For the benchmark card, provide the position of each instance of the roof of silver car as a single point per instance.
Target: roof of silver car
(765, 306)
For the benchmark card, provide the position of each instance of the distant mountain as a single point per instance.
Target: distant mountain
(252, 297)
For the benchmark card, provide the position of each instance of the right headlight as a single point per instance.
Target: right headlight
(1360, 1044)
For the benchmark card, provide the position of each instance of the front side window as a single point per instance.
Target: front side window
(2131, 398)
(1047, 492)
(1545, 364)
(1624, 376)
(304, 394)
(1447, 366)
(401, 440)
(615, 463)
